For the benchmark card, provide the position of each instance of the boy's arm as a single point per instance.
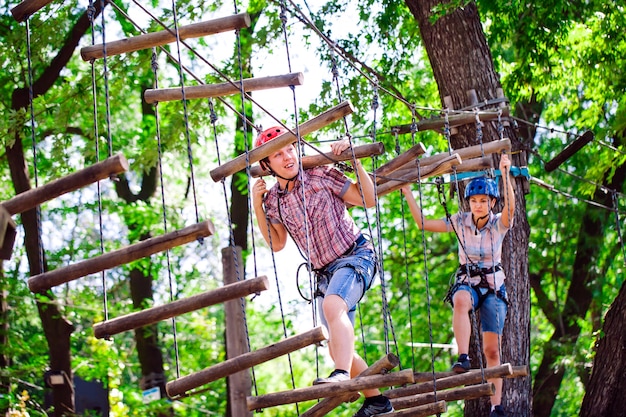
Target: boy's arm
(278, 231)
(508, 211)
(353, 195)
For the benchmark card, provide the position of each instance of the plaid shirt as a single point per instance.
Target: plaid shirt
(484, 246)
(331, 229)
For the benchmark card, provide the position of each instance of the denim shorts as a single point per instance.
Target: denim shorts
(492, 310)
(350, 276)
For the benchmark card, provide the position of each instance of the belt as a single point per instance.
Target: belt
(475, 271)
(360, 240)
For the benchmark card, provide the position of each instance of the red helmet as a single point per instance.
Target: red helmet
(268, 134)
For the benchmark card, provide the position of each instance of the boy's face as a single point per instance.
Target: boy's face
(284, 161)
(480, 204)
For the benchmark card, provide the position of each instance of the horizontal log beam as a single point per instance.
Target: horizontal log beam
(176, 308)
(223, 89)
(247, 360)
(422, 410)
(32, 198)
(122, 256)
(472, 377)
(239, 163)
(163, 37)
(328, 390)
(400, 160)
(381, 366)
(22, 11)
(455, 394)
(454, 120)
(310, 161)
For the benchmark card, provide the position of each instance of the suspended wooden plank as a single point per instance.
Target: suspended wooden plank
(149, 40)
(455, 394)
(245, 361)
(7, 234)
(569, 150)
(34, 197)
(328, 390)
(122, 256)
(310, 161)
(22, 11)
(457, 380)
(322, 408)
(400, 160)
(239, 163)
(223, 89)
(422, 410)
(454, 120)
(470, 152)
(179, 307)
(501, 371)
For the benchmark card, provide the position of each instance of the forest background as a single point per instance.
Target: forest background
(560, 66)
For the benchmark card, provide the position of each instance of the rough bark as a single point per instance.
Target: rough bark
(461, 62)
(607, 385)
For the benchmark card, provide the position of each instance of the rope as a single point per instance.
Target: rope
(105, 73)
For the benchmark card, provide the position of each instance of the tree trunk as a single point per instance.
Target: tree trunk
(462, 66)
(607, 384)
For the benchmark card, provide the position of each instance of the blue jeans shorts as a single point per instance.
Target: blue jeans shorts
(350, 276)
(492, 310)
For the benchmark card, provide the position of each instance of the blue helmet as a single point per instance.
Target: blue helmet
(482, 185)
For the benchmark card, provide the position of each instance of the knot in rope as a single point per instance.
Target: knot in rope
(91, 11)
(154, 61)
(212, 115)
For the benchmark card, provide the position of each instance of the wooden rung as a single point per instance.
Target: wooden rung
(310, 161)
(179, 307)
(223, 89)
(245, 361)
(439, 168)
(456, 380)
(122, 256)
(96, 172)
(422, 410)
(569, 150)
(26, 8)
(7, 234)
(149, 40)
(322, 408)
(400, 160)
(453, 120)
(466, 393)
(329, 390)
(239, 163)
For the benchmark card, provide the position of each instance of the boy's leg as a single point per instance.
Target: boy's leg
(340, 332)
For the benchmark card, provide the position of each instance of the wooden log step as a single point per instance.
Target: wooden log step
(7, 234)
(381, 366)
(22, 11)
(247, 360)
(223, 89)
(470, 152)
(456, 380)
(327, 390)
(122, 256)
(32, 198)
(149, 40)
(310, 161)
(569, 150)
(401, 160)
(239, 163)
(176, 308)
(422, 410)
(455, 394)
(454, 120)
(518, 370)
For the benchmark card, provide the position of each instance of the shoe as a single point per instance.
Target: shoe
(375, 406)
(462, 365)
(335, 376)
(498, 411)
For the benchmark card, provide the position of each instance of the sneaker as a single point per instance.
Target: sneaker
(462, 365)
(335, 376)
(498, 411)
(375, 406)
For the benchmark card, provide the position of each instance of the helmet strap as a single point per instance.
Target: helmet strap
(479, 219)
